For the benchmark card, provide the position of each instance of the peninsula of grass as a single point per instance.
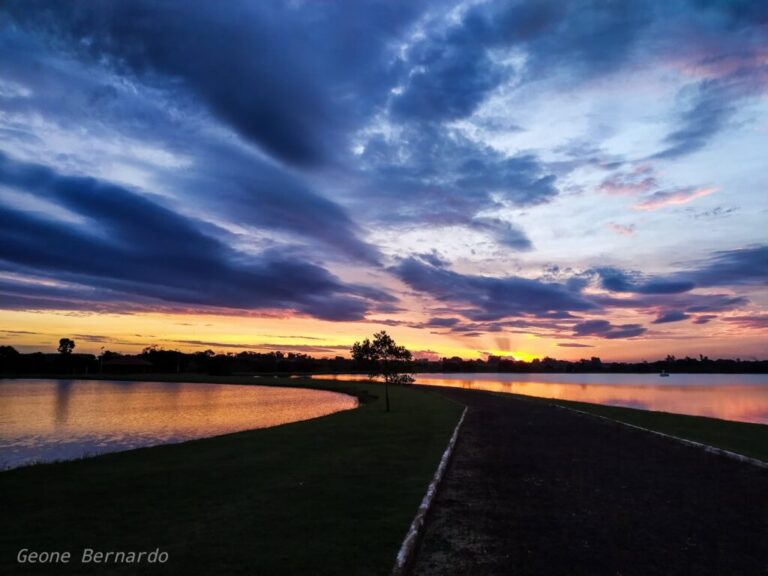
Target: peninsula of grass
(333, 495)
(740, 437)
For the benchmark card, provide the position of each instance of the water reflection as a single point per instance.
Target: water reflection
(742, 397)
(44, 420)
(63, 395)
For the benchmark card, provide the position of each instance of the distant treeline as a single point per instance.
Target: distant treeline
(158, 360)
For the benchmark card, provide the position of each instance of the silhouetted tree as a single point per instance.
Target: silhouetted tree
(383, 357)
(66, 346)
(9, 358)
(8, 352)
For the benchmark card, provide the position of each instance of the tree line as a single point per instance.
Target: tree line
(156, 359)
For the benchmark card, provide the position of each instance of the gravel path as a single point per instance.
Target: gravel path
(537, 490)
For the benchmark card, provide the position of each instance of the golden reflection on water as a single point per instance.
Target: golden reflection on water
(741, 397)
(44, 420)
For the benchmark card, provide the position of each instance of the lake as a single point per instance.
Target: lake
(742, 397)
(46, 420)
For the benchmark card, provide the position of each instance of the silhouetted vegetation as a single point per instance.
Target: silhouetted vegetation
(158, 360)
(66, 346)
(383, 357)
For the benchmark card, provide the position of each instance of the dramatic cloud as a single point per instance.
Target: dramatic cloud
(450, 71)
(488, 298)
(294, 59)
(467, 163)
(133, 246)
(439, 176)
(617, 280)
(741, 267)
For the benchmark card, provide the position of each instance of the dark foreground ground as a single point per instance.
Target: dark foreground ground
(538, 490)
(330, 496)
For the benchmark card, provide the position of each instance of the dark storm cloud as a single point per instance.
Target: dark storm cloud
(489, 298)
(134, 246)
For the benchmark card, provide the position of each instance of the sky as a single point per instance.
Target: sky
(519, 178)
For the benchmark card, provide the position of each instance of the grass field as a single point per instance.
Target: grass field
(741, 437)
(334, 495)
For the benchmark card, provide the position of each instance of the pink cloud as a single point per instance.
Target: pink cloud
(641, 179)
(621, 229)
(750, 322)
(672, 197)
(748, 68)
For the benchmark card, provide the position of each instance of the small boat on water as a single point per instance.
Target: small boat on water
(664, 374)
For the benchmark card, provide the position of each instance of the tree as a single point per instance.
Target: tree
(9, 358)
(66, 346)
(8, 352)
(383, 357)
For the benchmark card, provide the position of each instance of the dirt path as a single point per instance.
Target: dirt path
(537, 490)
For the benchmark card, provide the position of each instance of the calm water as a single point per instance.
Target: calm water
(45, 420)
(742, 397)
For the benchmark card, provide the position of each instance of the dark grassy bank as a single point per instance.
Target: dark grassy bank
(333, 495)
(741, 437)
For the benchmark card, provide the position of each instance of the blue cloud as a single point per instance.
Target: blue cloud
(134, 247)
(710, 107)
(671, 316)
(451, 70)
(604, 329)
(617, 280)
(487, 298)
(740, 267)
(281, 76)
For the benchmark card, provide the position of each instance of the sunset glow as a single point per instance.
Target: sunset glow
(445, 171)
